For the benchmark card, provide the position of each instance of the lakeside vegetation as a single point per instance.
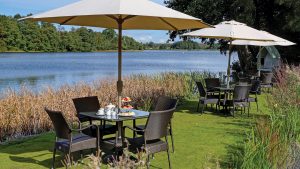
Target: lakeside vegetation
(205, 149)
(197, 142)
(22, 113)
(267, 139)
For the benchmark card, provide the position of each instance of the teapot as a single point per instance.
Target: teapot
(110, 108)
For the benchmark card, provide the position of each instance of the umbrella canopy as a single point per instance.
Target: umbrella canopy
(135, 14)
(230, 30)
(120, 14)
(277, 41)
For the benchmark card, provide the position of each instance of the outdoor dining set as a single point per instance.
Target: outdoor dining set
(150, 138)
(106, 131)
(239, 94)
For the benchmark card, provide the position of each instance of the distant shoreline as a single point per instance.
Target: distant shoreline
(103, 51)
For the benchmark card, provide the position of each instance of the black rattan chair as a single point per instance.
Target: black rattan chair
(205, 98)
(266, 81)
(240, 98)
(70, 140)
(156, 128)
(91, 104)
(254, 90)
(211, 84)
(163, 103)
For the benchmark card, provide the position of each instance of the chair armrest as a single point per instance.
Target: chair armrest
(76, 122)
(86, 127)
(133, 129)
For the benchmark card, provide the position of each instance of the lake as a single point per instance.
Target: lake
(37, 70)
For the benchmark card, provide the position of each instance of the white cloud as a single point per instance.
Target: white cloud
(144, 38)
(162, 40)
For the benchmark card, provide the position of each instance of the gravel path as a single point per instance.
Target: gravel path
(296, 152)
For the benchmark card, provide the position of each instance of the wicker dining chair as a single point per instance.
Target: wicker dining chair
(266, 80)
(68, 140)
(205, 99)
(211, 84)
(240, 98)
(254, 90)
(91, 104)
(163, 103)
(156, 128)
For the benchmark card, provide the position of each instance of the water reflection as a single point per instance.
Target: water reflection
(38, 70)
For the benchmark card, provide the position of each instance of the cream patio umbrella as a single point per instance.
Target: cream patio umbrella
(121, 15)
(230, 30)
(277, 41)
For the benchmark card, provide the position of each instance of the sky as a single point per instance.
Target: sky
(24, 7)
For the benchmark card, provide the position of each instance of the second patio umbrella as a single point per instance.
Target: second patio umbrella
(121, 15)
(277, 41)
(230, 30)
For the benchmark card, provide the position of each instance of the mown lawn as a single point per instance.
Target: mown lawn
(200, 141)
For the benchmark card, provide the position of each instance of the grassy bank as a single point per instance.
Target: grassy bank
(201, 141)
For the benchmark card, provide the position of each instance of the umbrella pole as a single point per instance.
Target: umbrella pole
(259, 61)
(120, 82)
(228, 68)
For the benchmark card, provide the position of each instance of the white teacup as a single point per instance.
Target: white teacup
(108, 112)
(101, 112)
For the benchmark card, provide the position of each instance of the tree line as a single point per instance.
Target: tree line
(180, 45)
(31, 36)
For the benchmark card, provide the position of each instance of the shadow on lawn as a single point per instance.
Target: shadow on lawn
(46, 163)
(234, 156)
(31, 150)
(190, 107)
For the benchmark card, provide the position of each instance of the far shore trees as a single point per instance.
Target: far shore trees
(44, 37)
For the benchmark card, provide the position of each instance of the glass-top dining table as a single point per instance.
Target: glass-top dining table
(118, 119)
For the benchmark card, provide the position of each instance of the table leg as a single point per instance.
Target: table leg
(134, 125)
(119, 134)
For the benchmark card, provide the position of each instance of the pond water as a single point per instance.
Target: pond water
(37, 70)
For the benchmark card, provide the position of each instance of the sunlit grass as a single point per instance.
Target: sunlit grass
(200, 141)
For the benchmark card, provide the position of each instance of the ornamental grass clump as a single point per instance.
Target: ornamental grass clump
(272, 141)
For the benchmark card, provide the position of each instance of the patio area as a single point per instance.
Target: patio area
(207, 140)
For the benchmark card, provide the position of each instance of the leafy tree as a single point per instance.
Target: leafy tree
(45, 37)
(279, 17)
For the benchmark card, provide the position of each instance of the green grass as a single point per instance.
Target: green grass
(200, 141)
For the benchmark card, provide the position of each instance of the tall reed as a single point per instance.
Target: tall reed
(272, 140)
(22, 113)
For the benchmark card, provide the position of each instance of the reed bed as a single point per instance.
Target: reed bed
(22, 113)
(271, 143)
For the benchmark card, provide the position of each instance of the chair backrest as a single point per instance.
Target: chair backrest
(242, 83)
(157, 124)
(201, 89)
(211, 83)
(266, 78)
(86, 104)
(165, 103)
(61, 127)
(255, 85)
(241, 92)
